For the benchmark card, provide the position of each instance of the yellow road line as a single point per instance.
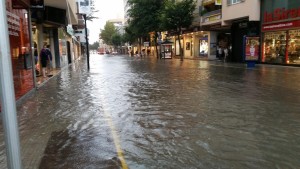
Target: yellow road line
(116, 140)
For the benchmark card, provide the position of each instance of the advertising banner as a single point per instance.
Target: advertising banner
(251, 48)
(84, 6)
(203, 46)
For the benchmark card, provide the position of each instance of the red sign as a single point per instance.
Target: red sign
(281, 25)
(281, 14)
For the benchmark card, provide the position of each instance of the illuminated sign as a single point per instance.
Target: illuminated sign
(282, 25)
(281, 14)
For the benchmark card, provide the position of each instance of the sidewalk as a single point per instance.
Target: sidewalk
(40, 80)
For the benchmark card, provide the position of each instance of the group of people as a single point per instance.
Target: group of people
(222, 53)
(136, 53)
(45, 59)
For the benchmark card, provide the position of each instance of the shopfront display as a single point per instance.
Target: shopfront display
(274, 47)
(281, 32)
(21, 58)
(282, 47)
(294, 47)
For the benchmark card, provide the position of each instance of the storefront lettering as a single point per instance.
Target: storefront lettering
(281, 14)
(13, 24)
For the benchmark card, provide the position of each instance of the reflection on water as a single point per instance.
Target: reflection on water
(165, 114)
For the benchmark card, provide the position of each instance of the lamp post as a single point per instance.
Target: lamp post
(8, 104)
(87, 43)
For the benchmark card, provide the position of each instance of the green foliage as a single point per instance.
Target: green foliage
(178, 15)
(128, 37)
(116, 39)
(92, 16)
(144, 16)
(94, 46)
(107, 33)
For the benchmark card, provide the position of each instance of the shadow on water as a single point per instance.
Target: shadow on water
(66, 150)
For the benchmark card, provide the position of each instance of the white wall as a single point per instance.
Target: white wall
(248, 8)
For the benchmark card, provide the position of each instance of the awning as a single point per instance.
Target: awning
(20, 4)
(68, 5)
(167, 42)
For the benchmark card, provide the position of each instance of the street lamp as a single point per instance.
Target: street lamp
(87, 43)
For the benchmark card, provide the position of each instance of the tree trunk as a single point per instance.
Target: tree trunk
(155, 42)
(140, 46)
(180, 49)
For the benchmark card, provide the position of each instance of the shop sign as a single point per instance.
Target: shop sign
(243, 25)
(212, 18)
(282, 25)
(70, 30)
(84, 6)
(281, 14)
(37, 4)
(251, 48)
(146, 44)
(13, 23)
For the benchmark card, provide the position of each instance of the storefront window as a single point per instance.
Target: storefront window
(294, 47)
(274, 47)
(20, 50)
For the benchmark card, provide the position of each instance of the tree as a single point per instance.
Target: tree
(107, 33)
(116, 40)
(178, 15)
(94, 46)
(92, 16)
(144, 17)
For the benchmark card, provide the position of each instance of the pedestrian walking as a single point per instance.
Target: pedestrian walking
(49, 62)
(225, 54)
(44, 55)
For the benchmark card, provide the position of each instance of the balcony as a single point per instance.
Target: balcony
(208, 2)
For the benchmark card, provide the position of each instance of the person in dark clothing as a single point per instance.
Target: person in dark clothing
(45, 57)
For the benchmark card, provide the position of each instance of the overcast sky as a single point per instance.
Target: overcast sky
(108, 9)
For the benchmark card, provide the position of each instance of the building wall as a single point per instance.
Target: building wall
(248, 8)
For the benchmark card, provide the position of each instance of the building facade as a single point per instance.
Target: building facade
(20, 46)
(31, 25)
(227, 23)
(280, 32)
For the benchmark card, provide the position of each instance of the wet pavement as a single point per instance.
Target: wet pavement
(131, 112)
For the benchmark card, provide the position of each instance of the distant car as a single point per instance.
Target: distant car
(114, 53)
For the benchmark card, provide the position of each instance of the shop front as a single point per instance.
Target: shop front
(20, 49)
(281, 32)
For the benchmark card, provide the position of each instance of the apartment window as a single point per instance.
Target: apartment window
(231, 2)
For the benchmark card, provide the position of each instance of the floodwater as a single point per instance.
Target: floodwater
(144, 113)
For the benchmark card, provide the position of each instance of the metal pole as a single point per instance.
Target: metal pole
(32, 48)
(9, 113)
(87, 43)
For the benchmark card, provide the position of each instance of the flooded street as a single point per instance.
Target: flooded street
(144, 113)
